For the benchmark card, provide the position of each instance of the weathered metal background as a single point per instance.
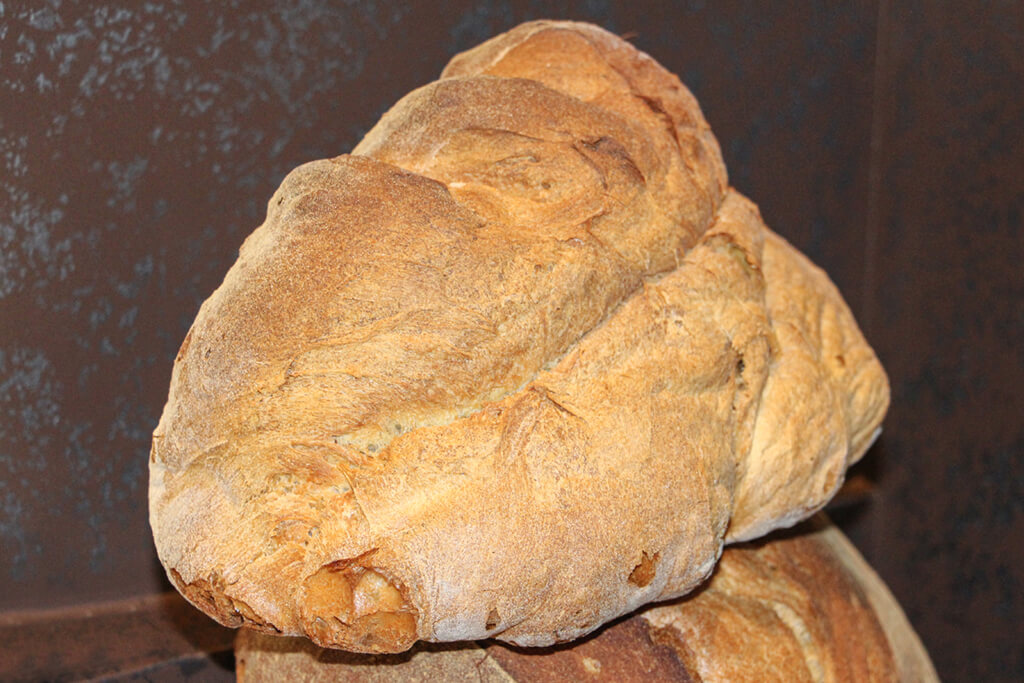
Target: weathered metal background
(139, 144)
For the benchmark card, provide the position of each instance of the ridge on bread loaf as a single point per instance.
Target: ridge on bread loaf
(517, 365)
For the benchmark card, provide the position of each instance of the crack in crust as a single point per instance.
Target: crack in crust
(351, 606)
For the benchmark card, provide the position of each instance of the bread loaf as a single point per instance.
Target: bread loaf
(803, 606)
(518, 365)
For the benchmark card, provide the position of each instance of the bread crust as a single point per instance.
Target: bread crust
(517, 366)
(799, 606)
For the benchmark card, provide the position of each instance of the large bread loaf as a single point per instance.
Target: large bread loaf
(519, 365)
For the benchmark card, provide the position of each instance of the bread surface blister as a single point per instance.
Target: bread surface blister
(519, 364)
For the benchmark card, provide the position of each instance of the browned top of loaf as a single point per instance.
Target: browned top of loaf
(508, 219)
(800, 606)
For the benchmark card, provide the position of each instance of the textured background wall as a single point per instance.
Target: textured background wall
(140, 143)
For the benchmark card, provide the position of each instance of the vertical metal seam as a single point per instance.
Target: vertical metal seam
(881, 113)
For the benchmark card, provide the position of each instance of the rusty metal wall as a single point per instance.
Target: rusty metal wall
(139, 144)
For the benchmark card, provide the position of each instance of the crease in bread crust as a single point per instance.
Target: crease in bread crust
(446, 356)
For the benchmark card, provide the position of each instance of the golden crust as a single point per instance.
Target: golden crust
(521, 356)
(797, 607)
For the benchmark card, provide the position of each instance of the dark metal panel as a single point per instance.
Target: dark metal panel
(944, 310)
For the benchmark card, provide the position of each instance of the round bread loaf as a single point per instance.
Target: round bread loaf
(518, 365)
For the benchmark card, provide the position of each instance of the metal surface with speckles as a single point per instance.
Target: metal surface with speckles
(139, 143)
